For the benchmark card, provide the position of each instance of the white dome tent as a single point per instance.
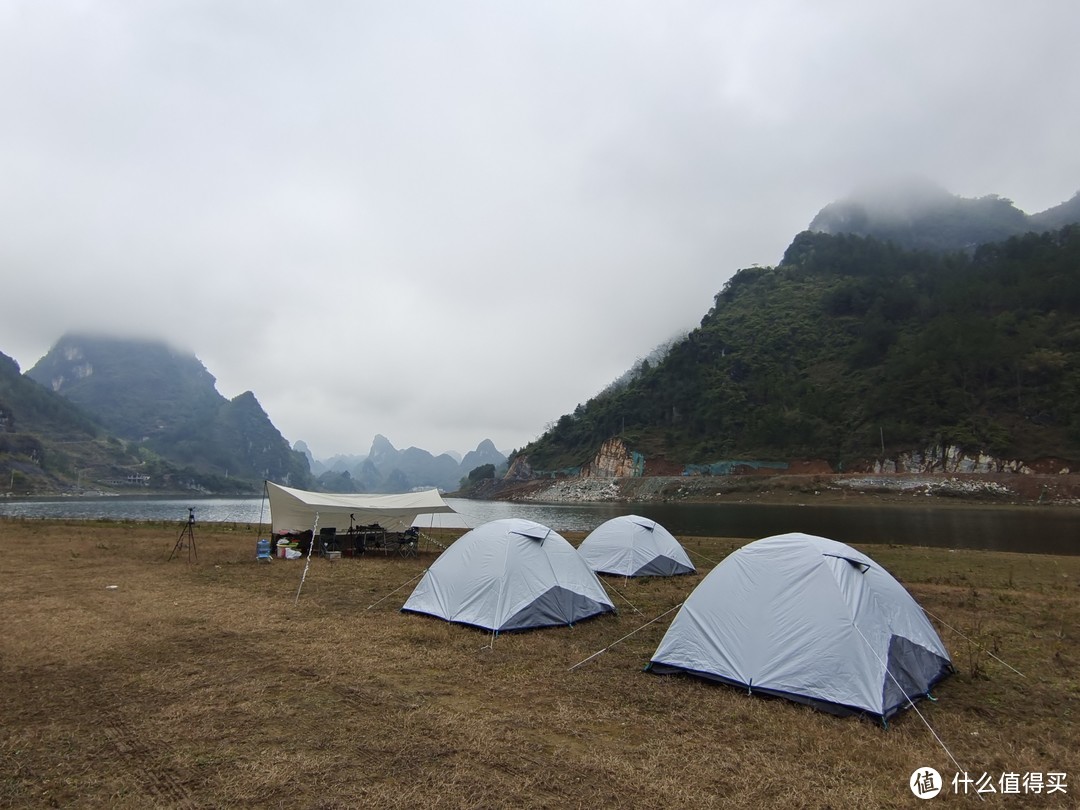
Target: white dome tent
(634, 546)
(510, 574)
(811, 620)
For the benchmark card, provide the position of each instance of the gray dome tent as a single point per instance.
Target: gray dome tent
(633, 546)
(811, 620)
(510, 574)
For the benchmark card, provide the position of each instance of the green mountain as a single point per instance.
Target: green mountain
(854, 348)
(164, 401)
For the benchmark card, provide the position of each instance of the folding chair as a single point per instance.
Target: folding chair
(262, 551)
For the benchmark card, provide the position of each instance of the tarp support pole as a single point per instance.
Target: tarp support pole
(307, 564)
(262, 506)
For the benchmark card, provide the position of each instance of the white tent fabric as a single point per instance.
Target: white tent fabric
(294, 510)
(634, 546)
(510, 574)
(809, 619)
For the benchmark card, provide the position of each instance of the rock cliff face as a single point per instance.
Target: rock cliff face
(952, 459)
(519, 470)
(614, 460)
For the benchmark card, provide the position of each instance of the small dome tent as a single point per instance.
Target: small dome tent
(811, 620)
(634, 546)
(510, 574)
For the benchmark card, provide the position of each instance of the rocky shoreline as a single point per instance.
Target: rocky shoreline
(1006, 489)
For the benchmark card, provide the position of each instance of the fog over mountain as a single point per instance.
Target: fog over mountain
(919, 214)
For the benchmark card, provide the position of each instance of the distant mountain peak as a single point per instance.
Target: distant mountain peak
(381, 449)
(485, 453)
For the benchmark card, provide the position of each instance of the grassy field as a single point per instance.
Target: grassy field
(209, 684)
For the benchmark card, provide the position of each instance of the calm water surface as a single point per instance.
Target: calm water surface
(1039, 530)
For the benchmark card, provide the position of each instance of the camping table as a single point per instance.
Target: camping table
(370, 541)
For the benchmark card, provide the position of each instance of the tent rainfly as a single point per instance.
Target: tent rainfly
(510, 574)
(294, 510)
(633, 546)
(811, 620)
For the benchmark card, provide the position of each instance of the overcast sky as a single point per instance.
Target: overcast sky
(450, 221)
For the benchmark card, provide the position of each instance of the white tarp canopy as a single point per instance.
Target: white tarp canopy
(634, 546)
(809, 619)
(510, 574)
(294, 510)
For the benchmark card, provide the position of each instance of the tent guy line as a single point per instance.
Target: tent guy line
(972, 641)
(699, 554)
(618, 641)
(398, 588)
(623, 596)
(911, 703)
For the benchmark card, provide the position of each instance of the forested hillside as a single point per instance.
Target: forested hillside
(853, 348)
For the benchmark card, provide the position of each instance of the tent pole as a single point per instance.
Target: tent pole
(499, 601)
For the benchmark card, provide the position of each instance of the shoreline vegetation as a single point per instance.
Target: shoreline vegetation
(137, 681)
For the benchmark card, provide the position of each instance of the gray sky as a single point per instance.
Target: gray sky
(450, 221)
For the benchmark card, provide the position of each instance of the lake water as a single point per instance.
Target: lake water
(1038, 530)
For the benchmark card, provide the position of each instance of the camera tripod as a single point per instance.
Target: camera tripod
(187, 538)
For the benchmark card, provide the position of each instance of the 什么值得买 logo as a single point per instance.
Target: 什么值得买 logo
(925, 783)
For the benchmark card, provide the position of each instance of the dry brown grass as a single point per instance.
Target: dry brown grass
(203, 685)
